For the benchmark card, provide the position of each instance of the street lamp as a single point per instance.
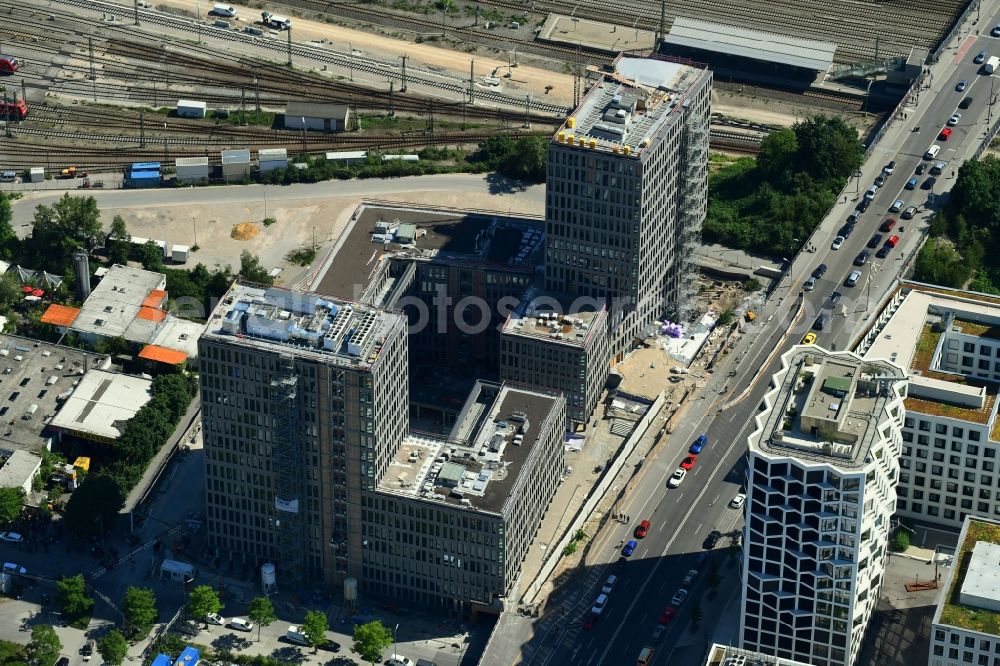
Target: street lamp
(395, 645)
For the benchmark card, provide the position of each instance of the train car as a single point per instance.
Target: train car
(8, 64)
(13, 110)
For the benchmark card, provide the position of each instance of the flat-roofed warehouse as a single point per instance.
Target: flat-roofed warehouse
(738, 49)
(101, 404)
(316, 116)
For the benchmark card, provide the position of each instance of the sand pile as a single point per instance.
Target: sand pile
(244, 231)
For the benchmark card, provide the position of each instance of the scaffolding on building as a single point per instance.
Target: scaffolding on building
(290, 552)
(338, 444)
(691, 208)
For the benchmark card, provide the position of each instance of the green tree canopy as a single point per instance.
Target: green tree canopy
(151, 256)
(11, 504)
(261, 612)
(113, 648)
(9, 243)
(251, 269)
(940, 263)
(73, 599)
(139, 609)
(59, 229)
(118, 241)
(94, 506)
(203, 600)
(370, 639)
(314, 627)
(43, 650)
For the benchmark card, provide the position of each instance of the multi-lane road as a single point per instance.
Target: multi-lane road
(681, 518)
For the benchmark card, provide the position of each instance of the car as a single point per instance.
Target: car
(819, 271)
(712, 539)
(599, 604)
(911, 184)
(215, 618)
(689, 462)
(909, 213)
(846, 230)
(883, 251)
(642, 530)
(887, 224)
(920, 169)
(629, 548)
(677, 478)
(809, 339)
(11, 537)
(609, 584)
(889, 168)
(240, 624)
(834, 299)
(897, 206)
(871, 192)
(821, 322)
(591, 620)
(809, 284)
(852, 278)
(862, 258)
(962, 85)
(702, 557)
(938, 168)
(853, 217)
(668, 614)
(954, 119)
(63, 661)
(691, 576)
(14, 568)
(738, 501)
(966, 102)
(838, 243)
(874, 241)
(699, 443)
(981, 57)
(995, 32)
(945, 133)
(863, 205)
(399, 660)
(189, 629)
(929, 183)
(880, 180)
(679, 597)
(620, 564)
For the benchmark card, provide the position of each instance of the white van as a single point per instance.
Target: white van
(932, 152)
(224, 10)
(645, 657)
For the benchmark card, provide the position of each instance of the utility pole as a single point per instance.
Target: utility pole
(663, 24)
(256, 92)
(402, 87)
(289, 46)
(243, 105)
(350, 61)
(90, 51)
(477, 14)
(527, 110)
(199, 24)
(392, 84)
(142, 130)
(137, 12)
(472, 69)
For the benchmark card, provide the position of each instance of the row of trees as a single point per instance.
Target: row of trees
(770, 204)
(964, 248)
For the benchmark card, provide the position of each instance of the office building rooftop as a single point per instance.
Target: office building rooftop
(128, 302)
(975, 576)
(327, 329)
(554, 317)
(624, 112)
(826, 407)
(477, 465)
(101, 404)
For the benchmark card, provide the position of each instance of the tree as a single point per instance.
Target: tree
(370, 639)
(261, 612)
(118, 241)
(94, 506)
(201, 601)
(777, 154)
(314, 628)
(8, 239)
(151, 256)
(938, 262)
(528, 159)
(59, 229)
(251, 270)
(43, 650)
(139, 609)
(900, 540)
(11, 504)
(113, 648)
(696, 613)
(10, 291)
(73, 599)
(495, 150)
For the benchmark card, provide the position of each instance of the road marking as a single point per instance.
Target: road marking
(740, 437)
(963, 49)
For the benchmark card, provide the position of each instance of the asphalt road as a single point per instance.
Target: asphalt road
(682, 517)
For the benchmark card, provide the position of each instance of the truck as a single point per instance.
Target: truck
(991, 65)
(296, 635)
(274, 21)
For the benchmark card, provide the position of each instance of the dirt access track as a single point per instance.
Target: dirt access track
(525, 79)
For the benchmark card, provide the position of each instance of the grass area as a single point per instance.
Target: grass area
(11, 652)
(264, 118)
(81, 622)
(937, 408)
(978, 329)
(926, 345)
(391, 122)
(956, 614)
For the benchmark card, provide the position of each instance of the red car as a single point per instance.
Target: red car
(945, 133)
(589, 623)
(689, 462)
(668, 614)
(642, 530)
(888, 224)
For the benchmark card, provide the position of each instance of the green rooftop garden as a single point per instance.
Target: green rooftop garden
(954, 613)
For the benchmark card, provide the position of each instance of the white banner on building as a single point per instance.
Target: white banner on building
(288, 506)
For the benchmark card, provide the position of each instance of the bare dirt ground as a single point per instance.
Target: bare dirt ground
(525, 79)
(297, 224)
